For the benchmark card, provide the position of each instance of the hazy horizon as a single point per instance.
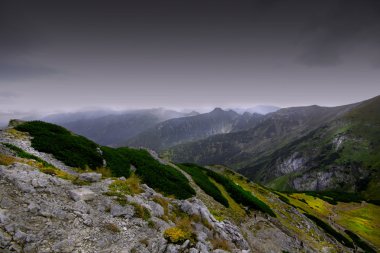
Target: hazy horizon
(5, 116)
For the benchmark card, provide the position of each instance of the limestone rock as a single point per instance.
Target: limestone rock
(82, 194)
(118, 210)
(90, 177)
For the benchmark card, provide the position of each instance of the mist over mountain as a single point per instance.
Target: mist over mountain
(113, 128)
(180, 130)
(260, 109)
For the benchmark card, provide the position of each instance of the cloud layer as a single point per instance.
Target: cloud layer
(71, 54)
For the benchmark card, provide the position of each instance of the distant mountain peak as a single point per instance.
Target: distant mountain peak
(217, 109)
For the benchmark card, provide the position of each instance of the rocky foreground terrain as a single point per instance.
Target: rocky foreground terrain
(61, 209)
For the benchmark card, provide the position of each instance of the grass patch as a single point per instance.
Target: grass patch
(199, 176)
(6, 160)
(106, 172)
(328, 229)
(141, 211)
(58, 173)
(218, 243)
(160, 177)
(22, 154)
(112, 227)
(125, 187)
(335, 197)
(73, 150)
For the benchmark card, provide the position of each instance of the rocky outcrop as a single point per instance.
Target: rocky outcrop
(291, 164)
(43, 213)
(331, 178)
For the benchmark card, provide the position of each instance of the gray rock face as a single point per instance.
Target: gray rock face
(46, 219)
(125, 211)
(82, 194)
(291, 164)
(329, 178)
(90, 177)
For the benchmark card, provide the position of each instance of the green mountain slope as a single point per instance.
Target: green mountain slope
(342, 155)
(242, 148)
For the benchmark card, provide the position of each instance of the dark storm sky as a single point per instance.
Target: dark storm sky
(187, 54)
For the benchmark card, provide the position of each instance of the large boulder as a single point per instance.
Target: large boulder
(82, 194)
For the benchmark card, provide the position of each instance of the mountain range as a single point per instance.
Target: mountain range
(113, 128)
(181, 130)
(301, 148)
(298, 148)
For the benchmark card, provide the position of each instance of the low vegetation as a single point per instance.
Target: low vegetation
(176, 235)
(129, 186)
(218, 243)
(240, 195)
(73, 150)
(199, 176)
(79, 152)
(328, 229)
(117, 162)
(6, 160)
(22, 154)
(163, 178)
(359, 242)
(359, 218)
(112, 227)
(335, 197)
(141, 211)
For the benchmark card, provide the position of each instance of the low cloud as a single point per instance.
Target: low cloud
(7, 95)
(14, 72)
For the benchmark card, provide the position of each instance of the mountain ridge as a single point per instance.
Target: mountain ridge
(180, 130)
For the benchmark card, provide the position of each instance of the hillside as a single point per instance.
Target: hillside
(156, 206)
(185, 129)
(342, 155)
(241, 148)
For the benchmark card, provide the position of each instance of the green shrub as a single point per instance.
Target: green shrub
(117, 162)
(160, 177)
(73, 150)
(328, 229)
(201, 179)
(240, 195)
(22, 154)
(360, 242)
(237, 192)
(284, 199)
(176, 235)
